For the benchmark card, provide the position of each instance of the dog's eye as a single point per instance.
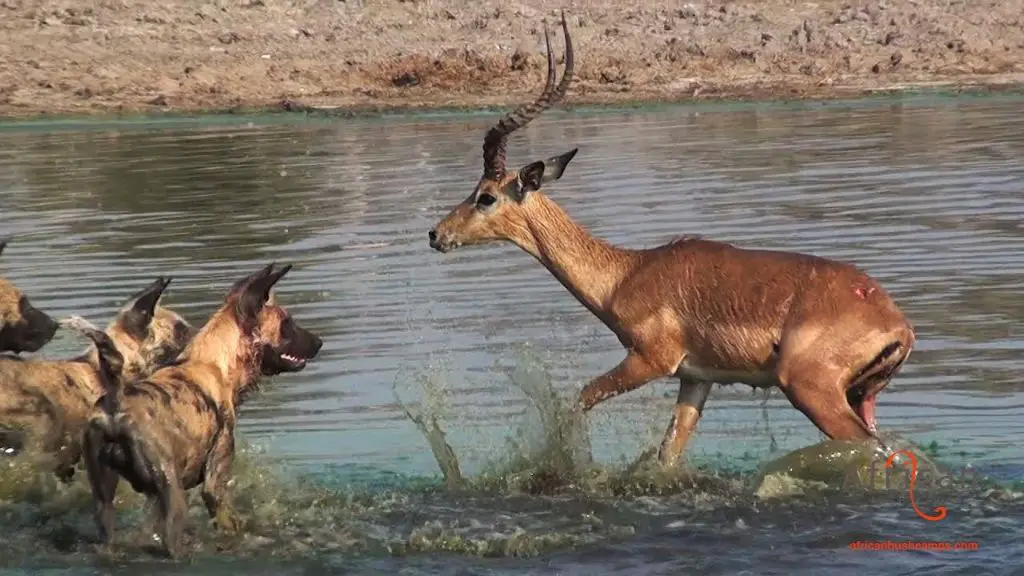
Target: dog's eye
(485, 200)
(287, 329)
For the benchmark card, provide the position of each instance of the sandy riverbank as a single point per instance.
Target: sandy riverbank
(110, 56)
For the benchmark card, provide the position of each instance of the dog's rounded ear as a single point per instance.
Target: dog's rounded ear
(136, 316)
(255, 290)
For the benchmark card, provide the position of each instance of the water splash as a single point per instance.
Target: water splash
(548, 451)
(542, 492)
(552, 441)
(436, 398)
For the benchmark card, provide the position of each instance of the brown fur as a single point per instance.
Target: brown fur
(23, 327)
(175, 430)
(823, 331)
(45, 404)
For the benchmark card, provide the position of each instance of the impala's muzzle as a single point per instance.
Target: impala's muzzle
(442, 243)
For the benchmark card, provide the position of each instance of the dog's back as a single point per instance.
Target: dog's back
(48, 418)
(45, 399)
(45, 405)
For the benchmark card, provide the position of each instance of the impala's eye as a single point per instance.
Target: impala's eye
(485, 200)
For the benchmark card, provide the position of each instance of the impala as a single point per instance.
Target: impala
(705, 312)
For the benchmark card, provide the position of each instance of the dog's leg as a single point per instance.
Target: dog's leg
(102, 480)
(154, 474)
(215, 482)
(173, 507)
(68, 455)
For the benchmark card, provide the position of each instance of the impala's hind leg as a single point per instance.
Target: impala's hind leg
(685, 414)
(817, 391)
(815, 379)
(833, 376)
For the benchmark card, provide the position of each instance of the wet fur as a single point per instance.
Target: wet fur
(23, 327)
(705, 312)
(823, 332)
(45, 405)
(175, 430)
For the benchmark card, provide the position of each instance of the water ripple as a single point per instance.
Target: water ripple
(925, 198)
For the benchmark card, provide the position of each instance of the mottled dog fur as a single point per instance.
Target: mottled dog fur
(175, 430)
(45, 405)
(23, 328)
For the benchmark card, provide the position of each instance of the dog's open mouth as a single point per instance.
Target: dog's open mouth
(290, 362)
(293, 362)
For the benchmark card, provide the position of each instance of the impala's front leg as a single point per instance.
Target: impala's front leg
(632, 373)
(685, 415)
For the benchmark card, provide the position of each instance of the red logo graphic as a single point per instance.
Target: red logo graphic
(911, 462)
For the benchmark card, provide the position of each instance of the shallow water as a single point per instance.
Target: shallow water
(927, 195)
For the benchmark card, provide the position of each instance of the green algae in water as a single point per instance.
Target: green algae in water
(858, 466)
(520, 543)
(279, 512)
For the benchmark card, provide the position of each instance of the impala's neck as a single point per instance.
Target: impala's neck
(590, 268)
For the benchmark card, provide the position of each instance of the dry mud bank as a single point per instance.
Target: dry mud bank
(110, 56)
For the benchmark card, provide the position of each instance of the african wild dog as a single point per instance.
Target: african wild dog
(147, 334)
(23, 328)
(109, 360)
(175, 430)
(45, 404)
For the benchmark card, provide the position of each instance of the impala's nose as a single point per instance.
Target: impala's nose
(435, 242)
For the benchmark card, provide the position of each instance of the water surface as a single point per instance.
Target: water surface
(928, 197)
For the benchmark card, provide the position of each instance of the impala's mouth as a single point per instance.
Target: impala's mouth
(446, 247)
(863, 402)
(443, 243)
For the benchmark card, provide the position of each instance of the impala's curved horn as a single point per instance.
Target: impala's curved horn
(497, 136)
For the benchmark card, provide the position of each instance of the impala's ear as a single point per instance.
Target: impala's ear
(536, 174)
